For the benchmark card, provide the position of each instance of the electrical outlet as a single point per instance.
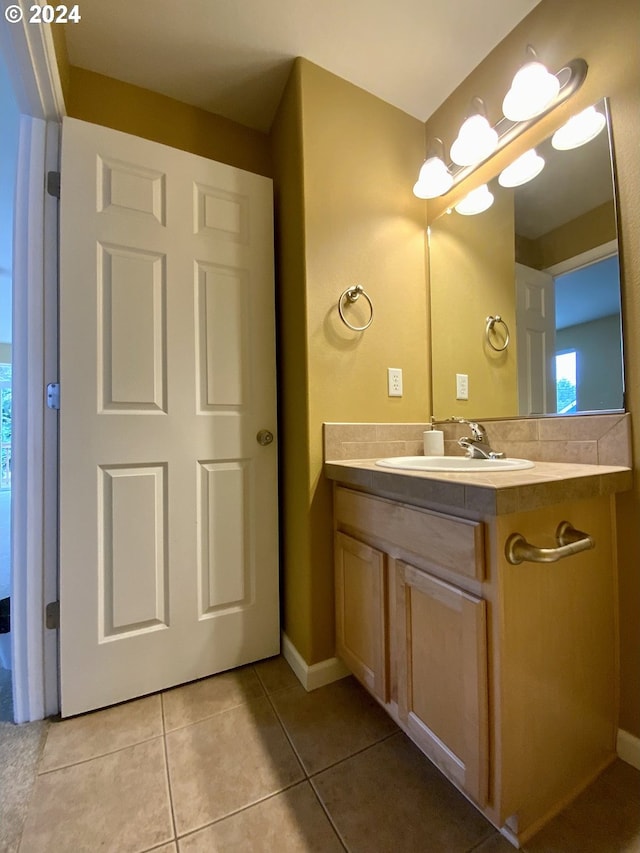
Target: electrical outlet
(462, 386)
(394, 378)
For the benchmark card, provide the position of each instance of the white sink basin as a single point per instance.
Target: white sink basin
(461, 464)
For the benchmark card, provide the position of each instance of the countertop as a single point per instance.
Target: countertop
(498, 493)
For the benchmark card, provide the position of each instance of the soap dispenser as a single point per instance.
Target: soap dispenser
(433, 441)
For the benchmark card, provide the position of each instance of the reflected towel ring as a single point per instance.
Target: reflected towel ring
(491, 322)
(353, 294)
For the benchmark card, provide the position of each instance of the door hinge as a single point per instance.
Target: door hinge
(52, 615)
(53, 395)
(53, 184)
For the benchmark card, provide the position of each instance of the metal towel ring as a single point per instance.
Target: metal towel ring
(491, 322)
(353, 294)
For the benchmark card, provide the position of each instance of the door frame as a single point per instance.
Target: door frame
(32, 64)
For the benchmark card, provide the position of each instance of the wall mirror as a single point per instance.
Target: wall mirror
(544, 257)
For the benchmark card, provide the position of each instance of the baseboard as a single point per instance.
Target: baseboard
(316, 675)
(628, 748)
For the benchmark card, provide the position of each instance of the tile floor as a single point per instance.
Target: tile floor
(248, 761)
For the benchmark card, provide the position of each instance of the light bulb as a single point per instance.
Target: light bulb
(533, 89)
(578, 130)
(434, 179)
(476, 201)
(475, 142)
(524, 169)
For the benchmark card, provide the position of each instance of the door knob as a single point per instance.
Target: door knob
(264, 437)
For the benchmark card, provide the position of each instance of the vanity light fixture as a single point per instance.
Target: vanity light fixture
(477, 201)
(532, 91)
(434, 178)
(579, 130)
(524, 169)
(476, 138)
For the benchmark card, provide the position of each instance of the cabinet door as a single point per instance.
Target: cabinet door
(442, 676)
(360, 612)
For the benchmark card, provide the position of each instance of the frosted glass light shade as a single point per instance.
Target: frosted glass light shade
(434, 179)
(524, 169)
(476, 140)
(578, 130)
(476, 201)
(533, 89)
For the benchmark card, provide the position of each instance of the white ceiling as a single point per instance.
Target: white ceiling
(232, 57)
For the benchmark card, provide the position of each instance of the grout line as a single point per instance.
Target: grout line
(312, 776)
(480, 843)
(289, 740)
(211, 716)
(241, 809)
(100, 755)
(166, 764)
(328, 814)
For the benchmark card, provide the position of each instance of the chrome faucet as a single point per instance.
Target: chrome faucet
(477, 446)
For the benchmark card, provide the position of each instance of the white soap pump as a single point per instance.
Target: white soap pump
(433, 441)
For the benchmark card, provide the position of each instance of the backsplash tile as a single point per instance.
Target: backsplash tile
(583, 439)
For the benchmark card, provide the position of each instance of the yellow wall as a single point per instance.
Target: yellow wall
(358, 224)
(103, 100)
(593, 228)
(606, 36)
(471, 275)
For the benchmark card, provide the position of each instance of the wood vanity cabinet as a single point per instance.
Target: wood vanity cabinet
(361, 623)
(442, 675)
(411, 629)
(503, 675)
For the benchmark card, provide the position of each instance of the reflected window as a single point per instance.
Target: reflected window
(566, 382)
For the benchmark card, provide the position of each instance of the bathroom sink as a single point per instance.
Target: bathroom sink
(462, 464)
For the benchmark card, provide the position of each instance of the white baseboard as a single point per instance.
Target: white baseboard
(628, 748)
(316, 675)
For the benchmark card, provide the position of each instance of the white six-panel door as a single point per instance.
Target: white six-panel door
(168, 505)
(536, 328)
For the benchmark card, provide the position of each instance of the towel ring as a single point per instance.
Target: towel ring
(353, 294)
(491, 322)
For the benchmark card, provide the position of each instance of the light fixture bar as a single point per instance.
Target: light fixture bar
(571, 77)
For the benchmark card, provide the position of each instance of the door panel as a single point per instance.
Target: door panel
(168, 506)
(536, 327)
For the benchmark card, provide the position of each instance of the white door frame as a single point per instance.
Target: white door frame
(30, 57)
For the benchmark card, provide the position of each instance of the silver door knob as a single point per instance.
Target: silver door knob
(264, 437)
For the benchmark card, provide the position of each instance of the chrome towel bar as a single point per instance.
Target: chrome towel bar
(570, 541)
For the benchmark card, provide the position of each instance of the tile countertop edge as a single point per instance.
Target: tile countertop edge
(488, 494)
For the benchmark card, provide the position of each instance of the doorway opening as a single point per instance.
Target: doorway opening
(10, 117)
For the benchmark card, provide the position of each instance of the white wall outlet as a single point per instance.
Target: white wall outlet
(394, 379)
(462, 386)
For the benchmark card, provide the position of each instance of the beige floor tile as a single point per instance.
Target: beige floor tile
(20, 750)
(116, 804)
(291, 822)
(390, 798)
(603, 819)
(201, 699)
(275, 674)
(496, 843)
(227, 762)
(166, 848)
(101, 732)
(331, 723)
